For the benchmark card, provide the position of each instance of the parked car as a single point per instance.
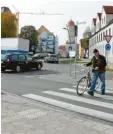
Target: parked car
(18, 61)
(53, 58)
(40, 55)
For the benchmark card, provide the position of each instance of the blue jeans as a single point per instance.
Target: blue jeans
(94, 79)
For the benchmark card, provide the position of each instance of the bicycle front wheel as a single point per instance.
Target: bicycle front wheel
(82, 85)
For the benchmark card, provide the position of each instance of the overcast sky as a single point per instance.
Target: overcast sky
(75, 10)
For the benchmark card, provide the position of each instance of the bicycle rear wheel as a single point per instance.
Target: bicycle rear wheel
(82, 85)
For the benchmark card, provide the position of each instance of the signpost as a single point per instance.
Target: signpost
(107, 46)
(70, 55)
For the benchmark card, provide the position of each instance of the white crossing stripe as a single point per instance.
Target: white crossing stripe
(68, 106)
(80, 99)
(106, 97)
(98, 89)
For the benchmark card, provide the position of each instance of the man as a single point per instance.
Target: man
(98, 63)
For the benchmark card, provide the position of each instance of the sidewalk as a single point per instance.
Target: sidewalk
(22, 116)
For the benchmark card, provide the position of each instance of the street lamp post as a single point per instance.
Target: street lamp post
(70, 45)
(77, 23)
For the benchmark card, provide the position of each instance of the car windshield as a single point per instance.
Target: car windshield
(3, 57)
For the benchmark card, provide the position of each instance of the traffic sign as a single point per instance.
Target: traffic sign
(70, 48)
(72, 54)
(108, 47)
(108, 38)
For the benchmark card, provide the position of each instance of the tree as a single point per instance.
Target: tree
(8, 25)
(85, 43)
(87, 32)
(29, 32)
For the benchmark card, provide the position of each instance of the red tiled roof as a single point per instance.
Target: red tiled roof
(108, 9)
(99, 15)
(94, 21)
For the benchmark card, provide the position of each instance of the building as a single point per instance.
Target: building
(48, 42)
(5, 9)
(102, 26)
(84, 44)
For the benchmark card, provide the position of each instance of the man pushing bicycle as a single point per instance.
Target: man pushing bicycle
(98, 63)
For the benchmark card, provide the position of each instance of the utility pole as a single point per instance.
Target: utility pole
(70, 45)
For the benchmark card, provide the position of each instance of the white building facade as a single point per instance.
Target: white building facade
(102, 25)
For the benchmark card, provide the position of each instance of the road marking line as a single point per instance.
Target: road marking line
(82, 69)
(97, 95)
(29, 76)
(68, 106)
(97, 89)
(80, 99)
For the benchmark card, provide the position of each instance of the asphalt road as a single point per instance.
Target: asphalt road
(46, 86)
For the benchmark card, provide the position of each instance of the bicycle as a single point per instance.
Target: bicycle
(81, 89)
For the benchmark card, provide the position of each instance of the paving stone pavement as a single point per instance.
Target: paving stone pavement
(24, 116)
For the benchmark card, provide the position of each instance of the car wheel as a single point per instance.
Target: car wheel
(39, 67)
(17, 69)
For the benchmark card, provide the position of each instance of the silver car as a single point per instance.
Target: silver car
(51, 58)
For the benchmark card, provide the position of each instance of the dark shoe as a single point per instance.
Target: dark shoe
(103, 93)
(90, 93)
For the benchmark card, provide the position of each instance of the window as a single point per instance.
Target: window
(14, 57)
(109, 31)
(101, 36)
(22, 57)
(97, 38)
(106, 32)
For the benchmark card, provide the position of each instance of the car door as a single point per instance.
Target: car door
(30, 60)
(13, 60)
(22, 61)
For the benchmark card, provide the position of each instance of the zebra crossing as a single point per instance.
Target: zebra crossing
(98, 106)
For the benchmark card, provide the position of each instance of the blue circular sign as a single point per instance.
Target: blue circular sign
(70, 47)
(107, 47)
